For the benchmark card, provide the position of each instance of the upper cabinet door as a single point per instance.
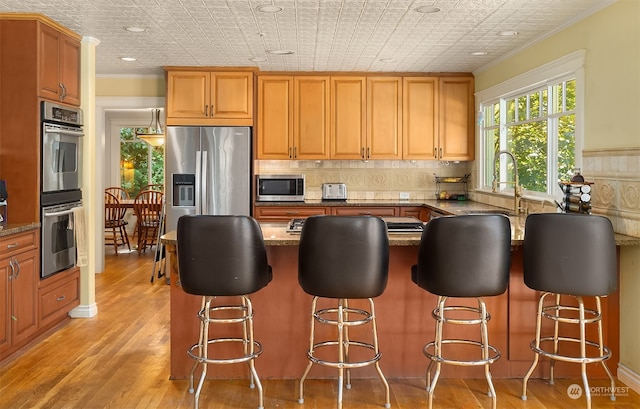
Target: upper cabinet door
(384, 118)
(70, 70)
(59, 66)
(231, 95)
(348, 118)
(456, 118)
(188, 94)
(274, 122)
(311, 117)
(420, 118)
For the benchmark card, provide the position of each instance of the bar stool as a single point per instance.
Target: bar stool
(220, 256)
(342, 258)
(463, 257)
(572, 255)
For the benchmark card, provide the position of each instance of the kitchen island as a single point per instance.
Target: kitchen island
(404, 317)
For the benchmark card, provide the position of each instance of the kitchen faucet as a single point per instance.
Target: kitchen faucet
(517, 189)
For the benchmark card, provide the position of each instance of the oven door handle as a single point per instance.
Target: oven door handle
(61, 213)
(59, 131)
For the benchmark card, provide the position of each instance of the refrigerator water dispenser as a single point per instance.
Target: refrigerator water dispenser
(184, 189)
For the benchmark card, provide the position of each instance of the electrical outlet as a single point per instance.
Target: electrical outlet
(404, 195)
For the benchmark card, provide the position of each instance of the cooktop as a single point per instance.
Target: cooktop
(395, 224)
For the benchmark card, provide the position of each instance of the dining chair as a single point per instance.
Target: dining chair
(148, 209)
(114, 222)
(118, 192)
(154, 186)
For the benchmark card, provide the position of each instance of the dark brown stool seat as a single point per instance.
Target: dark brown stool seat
(463, 257)
(569, 256)
(344, 258)
(223, 256)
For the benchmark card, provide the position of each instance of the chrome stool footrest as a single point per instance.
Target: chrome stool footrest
(348, 365)
(244, 358)
(489, 360)
(606, 352)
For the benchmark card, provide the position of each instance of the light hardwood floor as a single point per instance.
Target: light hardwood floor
(120, 360)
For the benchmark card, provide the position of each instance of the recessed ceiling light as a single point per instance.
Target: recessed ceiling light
(478, 53)
(508, 33)
(280, 52)
(269, 8)
(128, 59)
(427, 9)
(388, 60)
(135, 29)
(257, 59)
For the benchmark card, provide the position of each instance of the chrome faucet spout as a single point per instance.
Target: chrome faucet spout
(517, 190)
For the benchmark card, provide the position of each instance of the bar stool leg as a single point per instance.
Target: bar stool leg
(254, 380)
(200, 343)
(484, 337)
(346, 342)
(536, 357)
(204, 350)
(601, 348)
(556, 324)
(374, 329)
(311, 337)
(431, 384)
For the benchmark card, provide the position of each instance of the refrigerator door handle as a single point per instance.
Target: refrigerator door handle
(198, 181)
(203, 186)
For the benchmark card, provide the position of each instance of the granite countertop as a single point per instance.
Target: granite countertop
(275, 232)
(13, 228)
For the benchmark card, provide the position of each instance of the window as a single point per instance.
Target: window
(539, 124)
(140, 163)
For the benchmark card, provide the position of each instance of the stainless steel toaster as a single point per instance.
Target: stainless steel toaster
(334, 191)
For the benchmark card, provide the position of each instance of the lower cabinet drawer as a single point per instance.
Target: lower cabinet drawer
(56, 301)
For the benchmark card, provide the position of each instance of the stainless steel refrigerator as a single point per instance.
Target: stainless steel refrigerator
(207, 171)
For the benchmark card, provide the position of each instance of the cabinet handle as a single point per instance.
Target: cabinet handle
(206, 110)
(435, 153)
(63, 91)
(60, 298)
(295, 152)
(292, 213)
(290, 157)
(365, 213)
(12, 245)
(440, 153)
(362, 153)
(368, 153)
(13, 270)
(17, 264)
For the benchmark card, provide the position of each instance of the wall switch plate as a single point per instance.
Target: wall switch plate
(404, 195)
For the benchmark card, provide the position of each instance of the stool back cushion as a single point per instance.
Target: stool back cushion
(343, 256)
(570, 254)
(221, 255)
(464, 256)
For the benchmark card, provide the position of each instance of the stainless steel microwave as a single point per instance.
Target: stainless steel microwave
(280, 188)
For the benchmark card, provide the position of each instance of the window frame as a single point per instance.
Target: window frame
(570, 66)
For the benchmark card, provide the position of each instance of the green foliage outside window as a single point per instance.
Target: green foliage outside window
(134, 163)
(539, 129)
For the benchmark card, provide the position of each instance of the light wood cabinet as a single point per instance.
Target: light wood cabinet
(384, 118)
(58, 66)
(311, 117)
(348, 117)
(210, 98)
(274, 121)
(286, 213)
(19, 271)
(420, 118)
(293, 117)
(456, 119)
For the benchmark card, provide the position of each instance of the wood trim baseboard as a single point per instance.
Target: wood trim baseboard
(629, 377)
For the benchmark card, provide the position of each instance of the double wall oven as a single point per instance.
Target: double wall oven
(61, 180)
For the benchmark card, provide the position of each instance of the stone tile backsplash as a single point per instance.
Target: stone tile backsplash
(614, 172)
(372, 180)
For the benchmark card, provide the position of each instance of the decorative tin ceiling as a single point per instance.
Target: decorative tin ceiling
(324, 35)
